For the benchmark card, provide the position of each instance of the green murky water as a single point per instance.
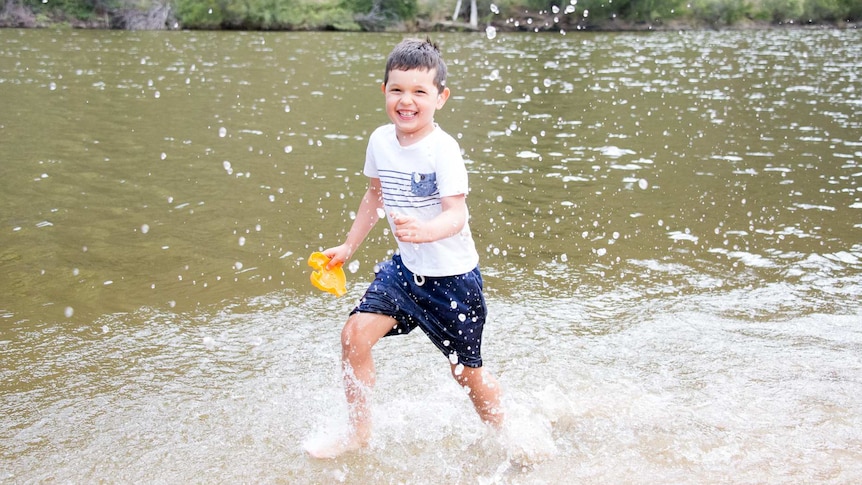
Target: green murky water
(669, 226)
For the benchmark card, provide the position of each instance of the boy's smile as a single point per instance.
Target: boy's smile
(411, 100)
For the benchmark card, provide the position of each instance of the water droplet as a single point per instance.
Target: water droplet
(222, 132)
(241, 242)
(353, 266)
(69, 311)
(643, 184)
(288, 149)
(491, 32)
(145, 228)
(453, 304)
(462, 317)
(381, 213)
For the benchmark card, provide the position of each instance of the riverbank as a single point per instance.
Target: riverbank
(547, 23)
(162, 17)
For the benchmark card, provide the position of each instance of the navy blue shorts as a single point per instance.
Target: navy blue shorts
(451, 310)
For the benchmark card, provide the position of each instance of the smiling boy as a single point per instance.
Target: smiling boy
(417, 178)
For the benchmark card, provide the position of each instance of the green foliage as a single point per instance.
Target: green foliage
(602, 11)
(321, 16)
(384, 14)
(780, 11)
(829, 10)
(721, 12)
(73, 9)
(201, 14)
(854, 9)
(263, 15)
(395, 9)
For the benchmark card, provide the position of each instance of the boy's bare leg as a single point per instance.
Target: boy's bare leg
(484, 391)
(359, 335)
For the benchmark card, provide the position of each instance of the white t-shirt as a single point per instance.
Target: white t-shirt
(413, 179)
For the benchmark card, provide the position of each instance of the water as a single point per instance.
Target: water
(669, 226)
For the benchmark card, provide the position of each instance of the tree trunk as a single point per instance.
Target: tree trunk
(474, 15)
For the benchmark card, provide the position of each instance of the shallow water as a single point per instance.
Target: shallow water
(669, 226)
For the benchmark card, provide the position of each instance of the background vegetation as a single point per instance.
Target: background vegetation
(374, 15)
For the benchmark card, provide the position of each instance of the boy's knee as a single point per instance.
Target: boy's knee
(362, 331)
(350, 333)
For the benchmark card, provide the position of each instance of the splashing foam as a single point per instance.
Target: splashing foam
(526, 436)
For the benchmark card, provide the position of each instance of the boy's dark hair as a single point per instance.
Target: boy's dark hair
(417, 54)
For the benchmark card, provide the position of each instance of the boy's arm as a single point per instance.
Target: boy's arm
(366, 217)
(448, 223)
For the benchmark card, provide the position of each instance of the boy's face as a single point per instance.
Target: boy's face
(411, 100)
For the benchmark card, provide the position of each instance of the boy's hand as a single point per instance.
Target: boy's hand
(337, 256)
(407, 229)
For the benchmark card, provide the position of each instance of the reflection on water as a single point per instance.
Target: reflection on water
(669, 226)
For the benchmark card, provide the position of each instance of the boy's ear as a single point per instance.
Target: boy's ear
(442, 97)
(383, 87)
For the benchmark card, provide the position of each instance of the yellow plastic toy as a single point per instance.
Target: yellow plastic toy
(331, 280)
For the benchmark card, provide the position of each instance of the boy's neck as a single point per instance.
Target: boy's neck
(406, 140)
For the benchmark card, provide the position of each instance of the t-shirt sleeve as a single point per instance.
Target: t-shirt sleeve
(370, 169)
(451, 171)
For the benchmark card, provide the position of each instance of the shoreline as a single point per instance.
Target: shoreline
(22, 18)
(448, 27)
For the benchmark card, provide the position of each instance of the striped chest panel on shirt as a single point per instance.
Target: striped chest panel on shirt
(409, 190)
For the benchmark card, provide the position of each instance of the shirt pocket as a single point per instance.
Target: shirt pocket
(423, 184)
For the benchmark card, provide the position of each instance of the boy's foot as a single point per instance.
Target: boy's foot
(327, 449)
(527, 441)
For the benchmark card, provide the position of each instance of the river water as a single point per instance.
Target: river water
(669, 225)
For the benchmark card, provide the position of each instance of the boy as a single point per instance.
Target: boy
(417, 179)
